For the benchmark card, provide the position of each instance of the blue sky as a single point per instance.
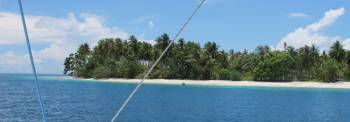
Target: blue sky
(57, 27)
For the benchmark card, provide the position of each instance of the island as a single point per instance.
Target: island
(118, 60)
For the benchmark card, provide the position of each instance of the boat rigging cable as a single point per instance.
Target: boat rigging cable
(159, 58)
(32, 61)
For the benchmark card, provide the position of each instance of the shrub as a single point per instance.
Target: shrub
(275, 67)
(330, 70)
(102, 72)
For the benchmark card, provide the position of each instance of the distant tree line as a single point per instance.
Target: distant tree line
(117, 58)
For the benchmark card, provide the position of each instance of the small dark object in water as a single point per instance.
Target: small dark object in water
(183, 83)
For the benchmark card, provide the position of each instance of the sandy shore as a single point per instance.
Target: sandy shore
(297, 84)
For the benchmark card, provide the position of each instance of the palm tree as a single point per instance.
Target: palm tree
(337, 52)
(134, 46)
(262, 50)
(145, 51)
(231, 55)
(306, 61)
(211, 48)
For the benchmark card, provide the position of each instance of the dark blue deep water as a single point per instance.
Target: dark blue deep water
(88, 101)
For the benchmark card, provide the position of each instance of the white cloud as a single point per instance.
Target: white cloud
(11, 62)
(63, 35)
(346, 44)
(311, 35)
(11, 58)
(51, 29)
(298, 15)
(53, 52)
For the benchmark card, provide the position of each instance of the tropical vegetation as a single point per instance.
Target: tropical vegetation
(118, 58)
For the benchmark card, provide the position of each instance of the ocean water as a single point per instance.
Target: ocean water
(89, 101)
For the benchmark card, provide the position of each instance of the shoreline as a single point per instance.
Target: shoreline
(292, 84)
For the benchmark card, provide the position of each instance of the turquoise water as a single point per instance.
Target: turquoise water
(88, 101)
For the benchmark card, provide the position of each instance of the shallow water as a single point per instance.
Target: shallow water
(89, 101)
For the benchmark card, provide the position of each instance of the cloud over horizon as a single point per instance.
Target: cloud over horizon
(311, 34)
(62, 35)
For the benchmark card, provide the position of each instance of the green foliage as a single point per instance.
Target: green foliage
(346, 72)
(118, 58)
(121, 69)
(337, 52)
(330, 70)
(102, 72)
(82, 72)
(275, 67)
(69, 65)
(231, 73)
(133, 69)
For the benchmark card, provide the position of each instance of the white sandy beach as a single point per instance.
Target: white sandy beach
(297, 84)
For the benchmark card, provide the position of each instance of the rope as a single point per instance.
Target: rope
(32, 61)
(159, 58)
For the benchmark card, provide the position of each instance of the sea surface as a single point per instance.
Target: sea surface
(91, 101)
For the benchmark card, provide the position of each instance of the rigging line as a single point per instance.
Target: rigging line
(32, 61)
(159, 58)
